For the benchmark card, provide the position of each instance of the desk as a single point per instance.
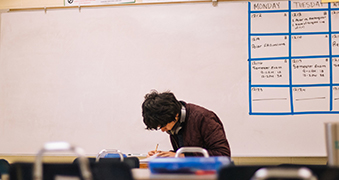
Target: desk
(145, 174)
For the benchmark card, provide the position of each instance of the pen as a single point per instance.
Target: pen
(156, 148)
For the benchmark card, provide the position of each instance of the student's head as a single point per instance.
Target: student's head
(160, 110)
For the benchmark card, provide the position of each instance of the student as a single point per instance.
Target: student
(188, 125)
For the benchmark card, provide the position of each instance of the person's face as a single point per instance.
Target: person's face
(170, 125)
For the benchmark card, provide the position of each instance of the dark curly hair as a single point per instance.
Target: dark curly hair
(159, 109)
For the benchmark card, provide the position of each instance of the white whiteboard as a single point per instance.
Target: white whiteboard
(81, 76)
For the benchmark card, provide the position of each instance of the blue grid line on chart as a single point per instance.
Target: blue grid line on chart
(293, 85)
(249, 61)
(330, 56)
(289, 56)
(295, 113)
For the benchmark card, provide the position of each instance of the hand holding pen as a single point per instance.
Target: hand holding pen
(152, 153)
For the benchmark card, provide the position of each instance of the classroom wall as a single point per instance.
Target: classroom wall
(14, 4)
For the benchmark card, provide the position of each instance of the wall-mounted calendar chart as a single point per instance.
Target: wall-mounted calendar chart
(293, 57)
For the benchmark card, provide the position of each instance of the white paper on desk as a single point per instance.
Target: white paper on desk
(149, 158)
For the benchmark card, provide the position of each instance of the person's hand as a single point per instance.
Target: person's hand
(152, 153)
(168, 154)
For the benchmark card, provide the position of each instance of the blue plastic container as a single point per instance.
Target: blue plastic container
(188, 165)
(113, 155)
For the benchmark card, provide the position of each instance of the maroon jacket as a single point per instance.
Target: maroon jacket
(202, 128)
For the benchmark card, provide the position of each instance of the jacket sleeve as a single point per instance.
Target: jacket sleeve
(214, 137)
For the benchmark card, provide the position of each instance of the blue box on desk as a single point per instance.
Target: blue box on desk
(188, 165)
(112, 155)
